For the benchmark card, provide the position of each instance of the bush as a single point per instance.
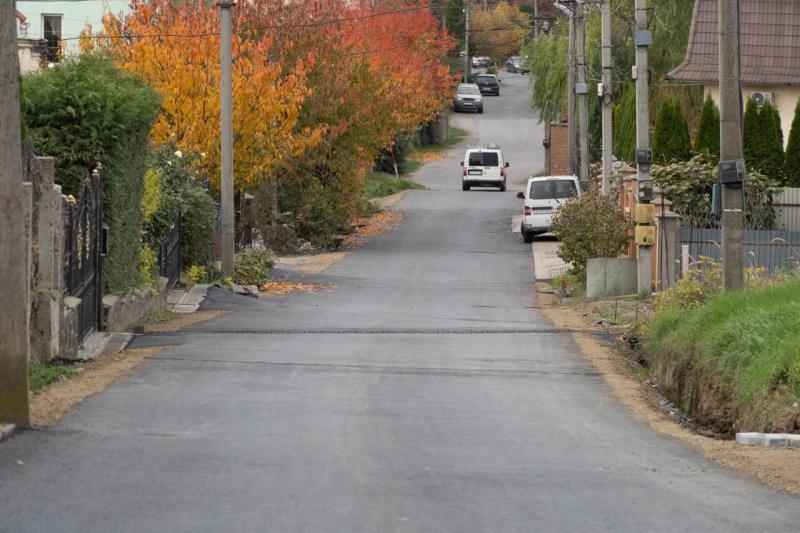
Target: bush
(708, 130)
(173, 185)
(87, 110)
(590, 227)
(252, 265)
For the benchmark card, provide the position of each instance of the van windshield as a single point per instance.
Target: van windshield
(483, 159)
(552, 189)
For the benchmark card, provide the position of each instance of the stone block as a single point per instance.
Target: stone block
(776, 440)
(610, 277)
(750, 439)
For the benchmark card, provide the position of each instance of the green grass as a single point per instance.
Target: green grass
(454, 136)
(380, 184)
(159, 316)
(747, 341)
(43, 374)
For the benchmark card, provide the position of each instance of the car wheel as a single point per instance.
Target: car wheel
(503, 187)
(527, 236)
(464, 186)
(480, 110)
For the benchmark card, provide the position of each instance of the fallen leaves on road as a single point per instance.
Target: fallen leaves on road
(377, 224)
(279, 288)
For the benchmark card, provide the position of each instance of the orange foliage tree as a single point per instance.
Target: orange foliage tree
(320, 88)
(175, 48)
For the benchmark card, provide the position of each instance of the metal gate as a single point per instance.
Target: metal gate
(83, 263)
(169, 254)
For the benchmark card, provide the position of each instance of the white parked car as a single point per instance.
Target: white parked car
(543, 197)
(484, 167)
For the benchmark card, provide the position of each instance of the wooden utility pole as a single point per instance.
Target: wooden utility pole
(467, 65)
(14, 303)
(226, 138)
(730, 145)
(606, 92)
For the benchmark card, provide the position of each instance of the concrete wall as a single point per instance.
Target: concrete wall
(610, 277)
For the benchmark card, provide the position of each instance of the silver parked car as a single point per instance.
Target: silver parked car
(468, 98)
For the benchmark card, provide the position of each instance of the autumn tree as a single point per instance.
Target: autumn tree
(175, 48)
(499, 31)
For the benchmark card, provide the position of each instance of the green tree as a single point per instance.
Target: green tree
(772, 163)
(752, 136)
(708, 130)
(792, 161)
(671, 137)
(625, 125)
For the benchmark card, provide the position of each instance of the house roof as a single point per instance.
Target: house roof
(770, 43)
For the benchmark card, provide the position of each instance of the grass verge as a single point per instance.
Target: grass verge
(380, 184)
(735, 359)
(43, 374)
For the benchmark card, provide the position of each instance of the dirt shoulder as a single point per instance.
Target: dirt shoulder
(775, 468)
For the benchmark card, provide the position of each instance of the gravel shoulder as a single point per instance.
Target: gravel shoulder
(776, 468)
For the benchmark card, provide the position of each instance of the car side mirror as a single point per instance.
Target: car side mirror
(461, 163)
(521, 194)
(508, 164)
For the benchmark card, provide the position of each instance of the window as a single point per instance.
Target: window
(553, 189)
(52, 34)
(483, 159)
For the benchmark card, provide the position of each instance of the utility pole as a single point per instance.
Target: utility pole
(730, 143)
(645, 211)
(226, 136)
(572, 132)
(581, 90)
(606, 92)
(466, 43)
(14, 304)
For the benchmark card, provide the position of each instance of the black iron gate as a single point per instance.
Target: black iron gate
(169, 254)
(83, 268)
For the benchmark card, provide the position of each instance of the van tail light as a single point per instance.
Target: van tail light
(502, 171)
(527, 210)
(464, 172)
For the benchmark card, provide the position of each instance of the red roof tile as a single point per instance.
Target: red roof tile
(770, 43)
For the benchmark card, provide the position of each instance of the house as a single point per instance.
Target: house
(770, 53)
(60, 22)
(30, 50)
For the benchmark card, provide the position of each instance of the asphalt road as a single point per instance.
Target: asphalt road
(422, 392)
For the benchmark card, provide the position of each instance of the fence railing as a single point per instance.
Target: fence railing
(774, 251)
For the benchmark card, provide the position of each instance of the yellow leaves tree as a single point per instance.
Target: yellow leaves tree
(499, 32)
(175, 48)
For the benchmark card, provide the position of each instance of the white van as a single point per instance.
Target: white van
(484, 167)
(543, 197)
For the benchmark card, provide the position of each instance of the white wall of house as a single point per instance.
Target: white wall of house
(28, 59)
(75, 16)
(783, 98)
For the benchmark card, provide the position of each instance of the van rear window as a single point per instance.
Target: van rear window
(483, 159)
(553, 189)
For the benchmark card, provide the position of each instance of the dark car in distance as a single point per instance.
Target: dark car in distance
(488, 84)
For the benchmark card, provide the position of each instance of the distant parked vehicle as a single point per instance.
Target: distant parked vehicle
(488, 84)
(515, 64)
(468, 98)
(481, 61)
(543, 198)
